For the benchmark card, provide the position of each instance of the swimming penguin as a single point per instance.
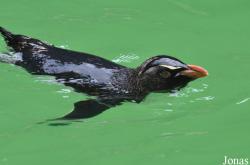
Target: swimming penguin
(109, 82)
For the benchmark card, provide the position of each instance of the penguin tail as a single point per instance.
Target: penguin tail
(13, 41)
(8, 36)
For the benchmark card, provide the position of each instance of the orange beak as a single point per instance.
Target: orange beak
(195, 71)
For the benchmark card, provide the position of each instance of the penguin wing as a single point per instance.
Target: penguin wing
(90, 108)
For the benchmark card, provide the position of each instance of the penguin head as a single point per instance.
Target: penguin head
(165, 73)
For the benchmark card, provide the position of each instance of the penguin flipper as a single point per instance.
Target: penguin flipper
(90, 108)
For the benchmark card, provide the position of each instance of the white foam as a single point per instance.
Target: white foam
(125, 58)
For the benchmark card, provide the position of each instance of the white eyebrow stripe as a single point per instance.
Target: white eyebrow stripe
(171, 67)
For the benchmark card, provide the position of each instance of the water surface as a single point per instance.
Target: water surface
(199, 125)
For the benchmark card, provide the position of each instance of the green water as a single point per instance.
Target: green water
(200, 125)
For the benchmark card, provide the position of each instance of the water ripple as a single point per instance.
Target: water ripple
(243, 101)
(47, 80)
(206, 98)
(189, 90)
(64, 91)
(126, 58)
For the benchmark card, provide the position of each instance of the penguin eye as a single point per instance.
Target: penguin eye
(165, 74)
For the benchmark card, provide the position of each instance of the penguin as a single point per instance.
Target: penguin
(110, 83)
